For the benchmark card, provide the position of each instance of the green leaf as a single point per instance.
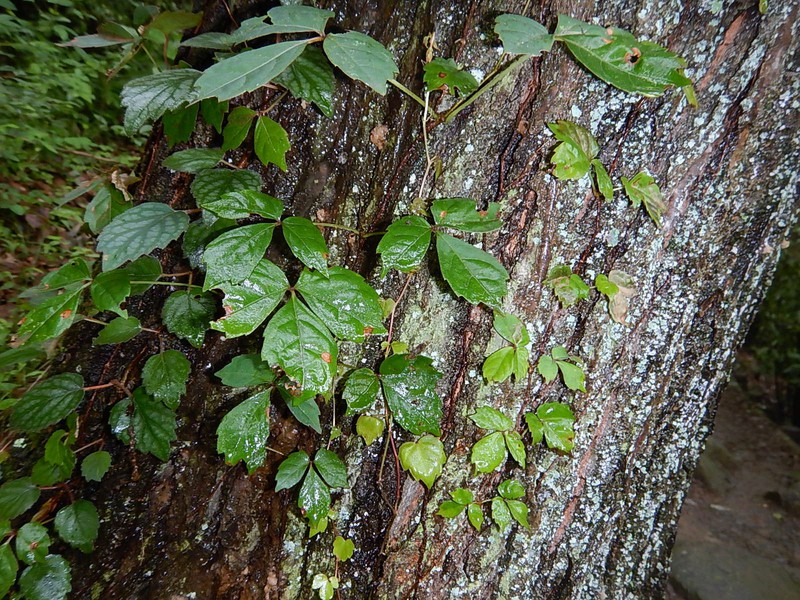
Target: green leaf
(603, 181)
(618, 58)
(57, 451)
(110, 289)
(510, 328)
(314, 499)
(47, 474)
(306, 242)
(120, 420)
(153, 425)
(247, 71)
(577, 136)
(17, 496)
(48, 402)
(606, 287)
(369, 428)
(310, 78)
(573, 375)
(48, 580)
(343, 549)
(361, 390)
(557, 423)
(8, 568)
(300, 344)
(410, 389)
(488, 452)
(568, 287)
(519, 511)
(237, 127)
(173, 21)
(547, 368)
(472, 273)
(499, 365)
(475, 515)
(271, 142)
(107, 203)
(200, 234)
(362, 58)
(144, 269)
(248, 244)
(243, 432)
(95, 465)
(213, 113)
(500, 513)
(179, 124)
(249, 303)
(291, 470)
(515, 447)
(240, 205)
(642, 189)
(511, 489)
(32, 543)
(331, 467)
(444, 72)
(462, 496)
(325, 586)
(194, 160)
(147, 98)
(298, 19)
(521, 35)
(52, 317)
(246, 370)
(405, 244)
(460, 213)
(165, 375)
(423, 459)
(118, 331)
(78, 524)
(187, 316)
(492, 419)
(74, 271)
(344, 302)
(450, 510)
(139, 231)
(521, 359)
(569, 162)
(306, 411)
(209, 185)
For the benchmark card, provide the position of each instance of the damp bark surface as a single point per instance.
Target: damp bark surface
(602, 518)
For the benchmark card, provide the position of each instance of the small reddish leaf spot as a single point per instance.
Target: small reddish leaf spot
(22, 320)
(483, 213)
(443, 214)
(368, 330)
(610, 31)
(442, 75)
(326, 356)
(66, 313)
(228, 311)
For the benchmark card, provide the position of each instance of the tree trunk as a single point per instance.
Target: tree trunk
(603, 518)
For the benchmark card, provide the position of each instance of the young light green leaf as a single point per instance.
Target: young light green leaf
(492, 419)
(139, 231)
(107, 203)
(405, 244)
(461, 214)
(110, 289)
(521, 360)
(331, 467)
(118, 331)
(568, 287)
(147, 98)
(8, 568)
(142, 273)
(95, 465)
(306, 242)
(569, 162)
(557, 422)
(78, 524)
(17, 496)
(346, 303)
(642, 189)
(247, 71)
(472, 273)
(511, 489)
(450, 510)
(369, 428)
(240, 205)
(243, 432)
(618, 58)
(577, 136)
(343, 549)
(500, 513)
(298, 19)
(409, 386)
(603, 181)
(462, 496)
(249, 303)
(213, 113)
(423, 459)
(475, 515)
(32, 543)
(48, 402)
(165, 375)
(521, 35)
(247, 243)
(210, 185)
(499, 365)
(237, 127)
(314, 499)
(299, 343)
(310, 78)
(361, 390)
(271, 142)
(325, 586)
(194, 160)
(519, 511)
(445, 73)
(604, 286)
(547, 368)
(573, 375)
(187, 316)
(246, 370)
(362, 58)
(291, 470)
(515, 447)
(47, 580)
(52, 317)
(488, 452)
(153, 425)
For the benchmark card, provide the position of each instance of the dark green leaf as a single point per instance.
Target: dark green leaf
(120, 420)
(118, 331)
(58, 452)
(475, 515)
(492, 419)
(46, 474)
(17, 496)
(107, 203)
(488, 452)
(147, 98)
(291, 470)
(142, 273)
(139, 231)
(444, 72)
(194, 160)
(172, 21)
(298, 342)
(307, 411)
(460, 213)
(78, 524)
(361, 390)
(369, 428)
(200, 234)
(240, 205)
(521, 35)
(48, 402)
(362, 58)
(603, 181)
(511, 489)
(246, 370)
(310, 78)
(271, 142)
(95, 465)
(165, 375)
(642, 189)
(213, 112)
(179, 124)
(500, 513)
(52, 317)
(472, 273)
(405, 244)
(306, 242)
(331, 467)
(32, 544)
(110, 289)
(48, 580)
(557, 423)
(298, 19)
(74, 271)
(238, 126)
(153, 425)
(450, 510)
(424, 459)
(95, 40)
(8, 568)
(210, 185)
(188, 316)
(410, 389)
(247, 243)
(314, 499)
(243, 432)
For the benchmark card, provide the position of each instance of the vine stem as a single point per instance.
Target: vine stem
(394, 309)
(407, 92)
(428, 159)
(89, 445)
(268, 110)
(492, 80)
(337, 226)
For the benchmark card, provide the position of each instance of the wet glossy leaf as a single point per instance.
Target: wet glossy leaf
(165, 375)
(310, 78)
(187, 316)
(519, 511)
(139, 231)
(314, 499)
(515, 447)
(52, 317)
(306, 242)
(153, 425)
(271, 142)
(557, 421)
(461, 214)
(194, 160)
(361, 57)
(32, 544)
(445, 73)
(343, 549)
(511, 489)
(450, 510)
(500, 513)
(240, 205)
(201, 233)
(243, 432)
(246, 370)
(48, 580)
(48, 402)
(210, 185)
(17, 496)
(147, 98)
(331, 467)
(291, 470)
(361, 390)
(249, 303)
(95, 465)
(462, 496)
(118, 331)
(492, 419)
(642, 189)
(8, 568)
(521, 35)
(78, 524)
(409, 385)
(305, 411)
(472, 273)
(405, 244)
(488, 452)
(369, 428)
(247, 243)
(603, 181)
(475, 515)
(423, 459)
(142, 272)
(237, 127)
(325, 586)
(119, 420)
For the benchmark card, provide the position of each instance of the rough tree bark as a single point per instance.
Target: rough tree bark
(604, 517)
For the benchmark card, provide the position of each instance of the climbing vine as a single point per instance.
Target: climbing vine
(302, 320)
